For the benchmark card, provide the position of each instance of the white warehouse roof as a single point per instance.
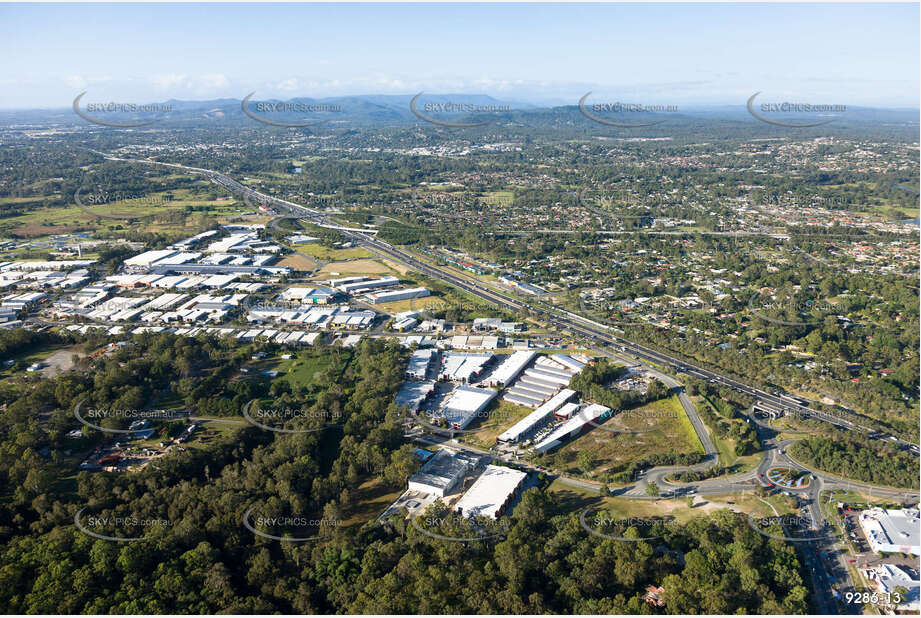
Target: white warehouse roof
(490, 493)
(465, 403)
(514, 433)
(511, 367)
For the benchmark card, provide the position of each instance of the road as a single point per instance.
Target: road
(578, 325)
(595, 335)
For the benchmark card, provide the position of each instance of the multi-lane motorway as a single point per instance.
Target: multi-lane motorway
(589, 330)
(601, 338)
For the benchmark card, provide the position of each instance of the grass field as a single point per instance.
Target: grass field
(328, 254)
(371, 499)
(499, 198)
(666, 429)
(163, 211)
(356, 267)
(500, 418)
(412, 304)
(726, 446)
(306, 364)
(572, 498)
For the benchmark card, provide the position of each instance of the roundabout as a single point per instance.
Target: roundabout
(788, 478)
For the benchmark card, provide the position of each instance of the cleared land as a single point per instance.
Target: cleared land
(488, 429)
(665, 427)
(354, 267)
(572, 498)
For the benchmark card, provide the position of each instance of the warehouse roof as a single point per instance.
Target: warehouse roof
(527, 423)
(490, 492)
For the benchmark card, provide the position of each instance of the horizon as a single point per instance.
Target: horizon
(533, 105)
(547, 55)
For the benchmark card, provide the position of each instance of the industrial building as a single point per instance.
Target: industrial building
(463, 367)
(310, 296)
(19, 302)
(892, 531)
(510, 368)
(536, 419)
(885, 578)
(413, 394)
(464, 405)
(442, 473)
(492, 493)
(573, 427)
(474, 342)
(543, 380)
(419, 363)
(359, 285)
(395, 295)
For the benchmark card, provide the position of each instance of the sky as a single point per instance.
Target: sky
(681, 54)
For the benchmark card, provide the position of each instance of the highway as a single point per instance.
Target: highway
(593, 332)
(601, 338)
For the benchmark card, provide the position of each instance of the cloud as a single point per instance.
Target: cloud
(288, 84)
(170, 81)
(76, 81)
(216, 81)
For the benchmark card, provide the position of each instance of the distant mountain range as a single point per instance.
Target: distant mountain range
(379, 109)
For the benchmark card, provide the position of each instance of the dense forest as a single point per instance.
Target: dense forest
(200, 558)
(879, 466)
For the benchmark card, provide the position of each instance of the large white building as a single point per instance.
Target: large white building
(510, 368)
(444, 471)
(463, 367)
(885, 578)
(892, 531)
(357, 285)
(395, 295)
(572, 427)
(533, 421)
(419, 364)
(491, 494)
(465, 404)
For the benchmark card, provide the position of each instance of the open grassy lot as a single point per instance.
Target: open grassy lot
(165, 208)
(665, 427)
(298, 262)
(500, 418)
(499, 198)
(355, 268)
(329, 254)
(371, 498)
(412, 304)
(308, 362)
(572, 498)
(726, 446)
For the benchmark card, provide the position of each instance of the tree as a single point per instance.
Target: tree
(652, 489)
